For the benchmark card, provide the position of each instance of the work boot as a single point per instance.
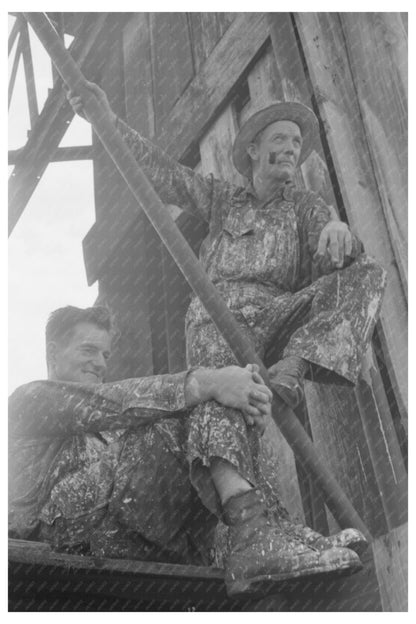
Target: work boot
(286, 378)
(262, 553)
(348, 538)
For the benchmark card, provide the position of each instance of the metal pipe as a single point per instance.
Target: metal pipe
(191, 268)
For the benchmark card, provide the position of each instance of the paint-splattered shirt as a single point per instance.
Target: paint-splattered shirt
(254, 250)
(65, 441)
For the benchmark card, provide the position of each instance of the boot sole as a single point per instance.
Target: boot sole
(358, 547)
(261, 584)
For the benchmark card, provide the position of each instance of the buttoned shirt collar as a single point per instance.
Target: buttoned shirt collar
(283, 191)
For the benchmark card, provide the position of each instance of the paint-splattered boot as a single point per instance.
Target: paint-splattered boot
(261, 553)
(286, 378)
(347, 538)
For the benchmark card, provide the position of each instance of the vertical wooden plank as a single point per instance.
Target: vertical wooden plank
(216, 148)
(293, 86)
(323, 45)
(206, 31)
(171, 60)
(328, 428)
(225, 20)
(123, 290)
(29, 73)
(177, 293)
(108, 182)
(377, 50)
(13, 34)
(338, 435)
(390, 557)
(138, 73)
(263, 82)
(15, 67)
(124, 284)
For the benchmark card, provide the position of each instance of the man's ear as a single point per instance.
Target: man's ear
(51, 350)
(252, 151)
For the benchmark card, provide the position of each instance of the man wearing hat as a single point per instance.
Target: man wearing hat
(316, 315)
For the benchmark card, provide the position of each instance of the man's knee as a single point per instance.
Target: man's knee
(368, 269)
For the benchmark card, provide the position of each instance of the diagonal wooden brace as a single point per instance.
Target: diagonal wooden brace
(150, 203)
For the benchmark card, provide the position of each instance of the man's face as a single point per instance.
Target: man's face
(278, 150)
(82, 356)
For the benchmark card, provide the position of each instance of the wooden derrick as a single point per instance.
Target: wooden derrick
(188, 81)
(216, 148)
(376, 44)
(323, 41)
(207, 29)
(171, 60)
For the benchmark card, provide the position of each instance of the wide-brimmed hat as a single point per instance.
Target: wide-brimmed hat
(300, 114)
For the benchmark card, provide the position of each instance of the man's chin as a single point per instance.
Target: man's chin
(91, 378)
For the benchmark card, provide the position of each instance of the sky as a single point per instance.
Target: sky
(46, 268)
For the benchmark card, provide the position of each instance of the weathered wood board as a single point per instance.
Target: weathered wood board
(390, 555)
(376, 44)
(330, 74)
(41, 580)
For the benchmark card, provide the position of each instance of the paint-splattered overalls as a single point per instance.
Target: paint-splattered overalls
(260, 256)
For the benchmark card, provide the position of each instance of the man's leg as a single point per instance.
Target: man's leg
(153, 505)
(227, 480)
(330, 344)
(223, 454)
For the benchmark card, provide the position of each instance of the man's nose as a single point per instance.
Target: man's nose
(100, 363)
(289, 148)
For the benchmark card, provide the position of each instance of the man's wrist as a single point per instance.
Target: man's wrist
(200, 386)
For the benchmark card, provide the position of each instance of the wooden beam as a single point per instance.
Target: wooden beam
(50, 127)
(43, 580)
(214, 83)
(29, 74)
(81, 152)
(187, 121)
(15, 67)
(376, 44)
(25, 551)
(337, 415)
(13, 34)
(323, 44)
(390, 555)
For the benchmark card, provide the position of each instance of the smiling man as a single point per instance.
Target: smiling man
(78, 350)
(101, 468)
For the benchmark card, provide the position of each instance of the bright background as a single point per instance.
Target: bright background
(46, 268)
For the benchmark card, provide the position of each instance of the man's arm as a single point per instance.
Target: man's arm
(174, 183)
(322, 238)
(59, 409)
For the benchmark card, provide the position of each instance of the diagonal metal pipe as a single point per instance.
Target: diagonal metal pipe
(150, 203)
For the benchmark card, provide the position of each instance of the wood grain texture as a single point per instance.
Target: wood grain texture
(377, 51)
(124, 284)
(294, 86)
(323, 44)
(206, 32)
(216, 148)
(41, 580)
(209, 89)
(339, 439)
(172, 65)
(332, 412)
(186, 122)
(390, 555)
(51, 124)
